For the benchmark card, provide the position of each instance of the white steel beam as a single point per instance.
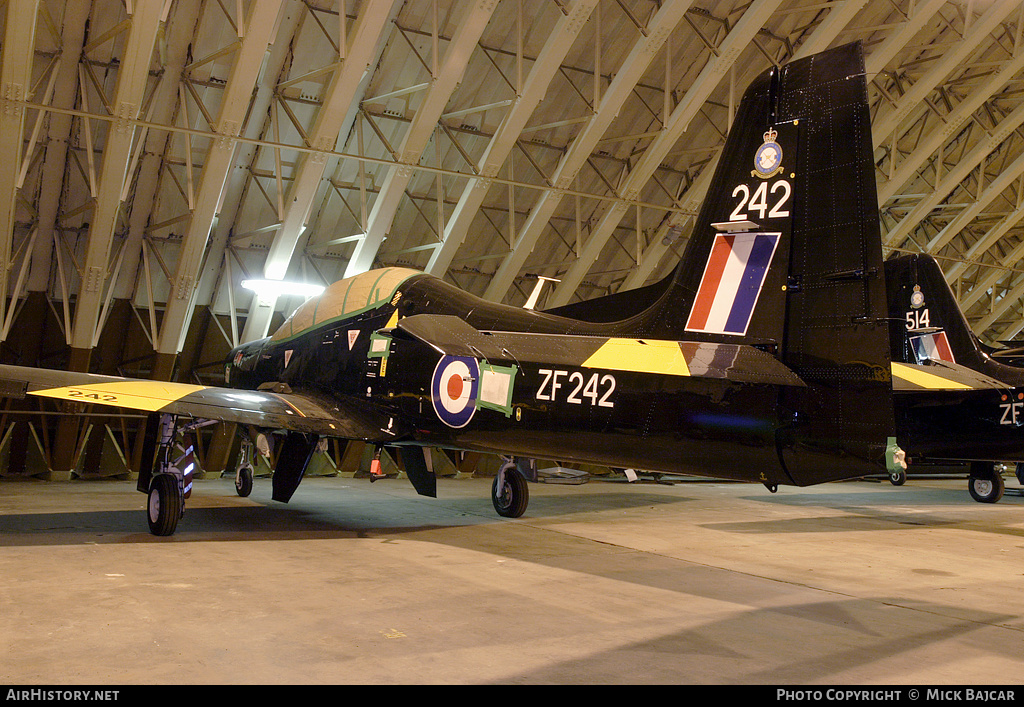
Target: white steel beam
(59, 125)
(15, 82)
(653, 254)
(733, 44)
(835, 22)
(179, 31)
(894, 238)
(999, 308)
(951, 124)
(559, 42)
(632, 70)
(132, 79)
(418, 135)
(983, 284)
(896, 41)
(981, 29)
(1002, 182)
(1010, 332)
(248, 60)
(367, 33)
(336, 112)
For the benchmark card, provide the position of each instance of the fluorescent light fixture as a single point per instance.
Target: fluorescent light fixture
(278, 288)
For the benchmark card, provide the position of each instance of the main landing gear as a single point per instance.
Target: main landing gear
(166, 504)
(168, 483)
(509, 492)
(985, 483)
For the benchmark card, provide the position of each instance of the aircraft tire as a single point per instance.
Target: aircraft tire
(1019, 472)
(986, 490)
(898, 478)
(243, 481)
(164, 506)
(511, 500)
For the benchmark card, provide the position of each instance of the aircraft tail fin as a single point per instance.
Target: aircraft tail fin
(785, 255)
(933, 327)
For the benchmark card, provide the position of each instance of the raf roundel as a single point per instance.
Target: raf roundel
(454, 389)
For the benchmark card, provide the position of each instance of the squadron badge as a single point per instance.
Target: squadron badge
(768, 158)
(917, 298)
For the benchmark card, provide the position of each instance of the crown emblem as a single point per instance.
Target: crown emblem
(771, 135)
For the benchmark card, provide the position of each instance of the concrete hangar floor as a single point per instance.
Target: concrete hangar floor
(352, 582)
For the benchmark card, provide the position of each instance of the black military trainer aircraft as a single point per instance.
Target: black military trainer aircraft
(764, 357)
(956, 402)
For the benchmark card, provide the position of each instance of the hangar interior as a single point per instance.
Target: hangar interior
(157, 153)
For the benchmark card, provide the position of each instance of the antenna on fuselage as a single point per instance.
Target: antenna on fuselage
(535, 295)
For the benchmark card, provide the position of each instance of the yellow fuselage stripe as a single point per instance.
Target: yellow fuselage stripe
(641, 356)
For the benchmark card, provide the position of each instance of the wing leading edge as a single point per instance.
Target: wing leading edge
(298, 412)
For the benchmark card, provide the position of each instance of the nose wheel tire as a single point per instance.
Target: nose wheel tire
(165, 505)
(510, 494)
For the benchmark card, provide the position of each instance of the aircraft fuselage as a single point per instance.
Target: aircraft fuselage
(560, 392)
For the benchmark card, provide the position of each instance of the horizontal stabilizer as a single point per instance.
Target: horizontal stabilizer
(732, 362)
(941, 375)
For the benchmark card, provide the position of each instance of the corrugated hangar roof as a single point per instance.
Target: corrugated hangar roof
(157, 152)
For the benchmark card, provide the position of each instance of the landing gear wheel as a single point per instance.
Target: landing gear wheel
(898, 478)
(243, 481)
(988, 488)
(511, 499)
(1019, 472)
(165, 505)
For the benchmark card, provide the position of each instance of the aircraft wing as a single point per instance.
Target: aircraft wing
(291, 411)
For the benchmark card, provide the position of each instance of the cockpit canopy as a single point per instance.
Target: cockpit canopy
(345, 298)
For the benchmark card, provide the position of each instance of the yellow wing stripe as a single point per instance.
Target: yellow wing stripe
(641, 356)
(914, 374)
(136, 395)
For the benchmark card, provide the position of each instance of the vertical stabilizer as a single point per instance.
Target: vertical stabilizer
(930, 324)
(786, 256)
(927, 325)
